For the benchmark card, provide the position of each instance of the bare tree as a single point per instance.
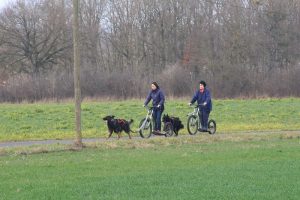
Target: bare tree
(31, 42)
(250, 44)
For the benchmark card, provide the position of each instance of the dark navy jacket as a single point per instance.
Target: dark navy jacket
(201, 98)
(157, 96)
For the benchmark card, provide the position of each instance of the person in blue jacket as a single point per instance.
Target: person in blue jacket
(158, 100)
(203, 98)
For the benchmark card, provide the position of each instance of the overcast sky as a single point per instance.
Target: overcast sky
(3, 3)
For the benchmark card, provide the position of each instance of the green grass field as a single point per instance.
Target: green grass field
(225, 166)
(56, 121)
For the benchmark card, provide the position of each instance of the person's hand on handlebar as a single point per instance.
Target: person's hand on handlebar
(190, 104)
(203, 104)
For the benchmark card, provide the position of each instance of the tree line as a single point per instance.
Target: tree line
(242, 48)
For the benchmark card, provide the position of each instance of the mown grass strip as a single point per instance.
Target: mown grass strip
(249, 166)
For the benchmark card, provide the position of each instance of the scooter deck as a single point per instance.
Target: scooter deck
(158, 133)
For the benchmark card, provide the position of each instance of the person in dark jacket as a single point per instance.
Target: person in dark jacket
(158, 100)
(203, 98)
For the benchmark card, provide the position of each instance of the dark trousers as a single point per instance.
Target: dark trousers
(157, 119)
(204, 115)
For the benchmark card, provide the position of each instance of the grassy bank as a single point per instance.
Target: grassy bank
(56, 121)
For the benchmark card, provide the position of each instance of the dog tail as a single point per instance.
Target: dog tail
(130, 122)
(132, 131)
(181, 125)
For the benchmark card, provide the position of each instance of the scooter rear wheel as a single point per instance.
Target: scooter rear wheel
(212, 127)
(168, 129)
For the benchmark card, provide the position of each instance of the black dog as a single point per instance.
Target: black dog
(175, 121)
(117, 126)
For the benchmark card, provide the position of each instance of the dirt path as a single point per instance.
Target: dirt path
(91, 140)
(47, 142)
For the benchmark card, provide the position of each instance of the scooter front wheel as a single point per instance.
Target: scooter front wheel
(192, 125)
(145, 129)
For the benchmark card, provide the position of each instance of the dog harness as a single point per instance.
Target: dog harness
(121, 121)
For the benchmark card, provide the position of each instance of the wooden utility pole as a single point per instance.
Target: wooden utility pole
(78, 141)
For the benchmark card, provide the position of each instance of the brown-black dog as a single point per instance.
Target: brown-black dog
(175, 121)
(117, 126)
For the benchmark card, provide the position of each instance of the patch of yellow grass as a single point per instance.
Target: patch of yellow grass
(155, 142)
